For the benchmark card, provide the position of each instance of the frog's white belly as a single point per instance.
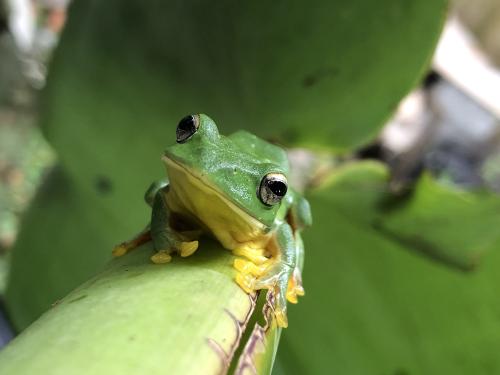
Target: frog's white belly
(190, 196)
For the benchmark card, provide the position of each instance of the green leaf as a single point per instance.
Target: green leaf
(186, 317)
(65, 238)
(373, 305)
(327, 73)
(444, 222)
(125, 72)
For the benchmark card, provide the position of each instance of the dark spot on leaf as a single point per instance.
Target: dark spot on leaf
(78, 298)
(103, 185)
(401, 371)
(318, 75)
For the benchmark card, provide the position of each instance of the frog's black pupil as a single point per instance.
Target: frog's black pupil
(277, 187)
(186, 128)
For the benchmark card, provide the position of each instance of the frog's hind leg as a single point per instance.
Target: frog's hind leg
(131, 244)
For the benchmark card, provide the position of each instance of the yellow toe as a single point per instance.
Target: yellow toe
(245, 281)
(281, 318)
(119, 250)
(254, 255)
(244, 266)
(291, 296)
(188, 248)
(161, 257)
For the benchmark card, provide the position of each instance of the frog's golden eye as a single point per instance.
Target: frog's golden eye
(272, 188)
(187, 127)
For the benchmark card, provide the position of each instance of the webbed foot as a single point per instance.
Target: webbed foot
(255, 256)
(120, 250)
(186, 249)
(161, 257)
(271, 276)
(295, 288)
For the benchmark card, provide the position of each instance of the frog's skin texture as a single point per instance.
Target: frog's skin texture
(233, 188)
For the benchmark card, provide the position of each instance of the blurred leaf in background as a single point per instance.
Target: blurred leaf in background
(391, 284)
(374, 305)
(304, 74)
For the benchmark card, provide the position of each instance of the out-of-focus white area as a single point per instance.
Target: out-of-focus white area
(22, 23)
(459, 60)
(451, 124)
(409, 123)
(34, 26)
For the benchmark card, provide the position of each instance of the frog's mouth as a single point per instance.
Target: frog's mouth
(204, 201)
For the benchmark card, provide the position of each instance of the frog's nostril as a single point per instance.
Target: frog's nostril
(187, 127)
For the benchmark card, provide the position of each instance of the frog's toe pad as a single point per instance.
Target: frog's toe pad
(161, 257)
(188, 248)
(291, 296)
(119, 250)
(281, 318)
(246, 267)
(255, 256)
(294, 290)
(246, 282)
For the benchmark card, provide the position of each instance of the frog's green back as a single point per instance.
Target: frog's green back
(260, 148)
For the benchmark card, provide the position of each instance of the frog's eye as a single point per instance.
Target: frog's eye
(272, 188)
(187, 127)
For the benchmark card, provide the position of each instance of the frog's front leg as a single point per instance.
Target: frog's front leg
(277, 274)
(295, 288)
(165, 239)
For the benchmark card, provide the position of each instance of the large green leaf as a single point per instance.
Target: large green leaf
(66, 237)
(374, 306)
(444, 222)
(323, 73)
(126, 71)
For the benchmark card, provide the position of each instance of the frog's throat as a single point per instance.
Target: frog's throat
(205, 186)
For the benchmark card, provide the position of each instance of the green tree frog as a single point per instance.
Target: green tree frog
(235, 189)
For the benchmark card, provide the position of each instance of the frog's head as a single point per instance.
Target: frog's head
(242, 168)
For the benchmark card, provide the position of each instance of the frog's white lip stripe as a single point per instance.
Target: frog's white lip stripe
(234, 206)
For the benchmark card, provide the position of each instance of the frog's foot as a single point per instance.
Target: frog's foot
(125, 247)
(120, 250)
(250, 284)
(255, 256)
(246, 282)
(281, 318)
(295, 288)
(161, 257)
(186, 249)
(275, 280)
(247, 267)
(247, 273)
